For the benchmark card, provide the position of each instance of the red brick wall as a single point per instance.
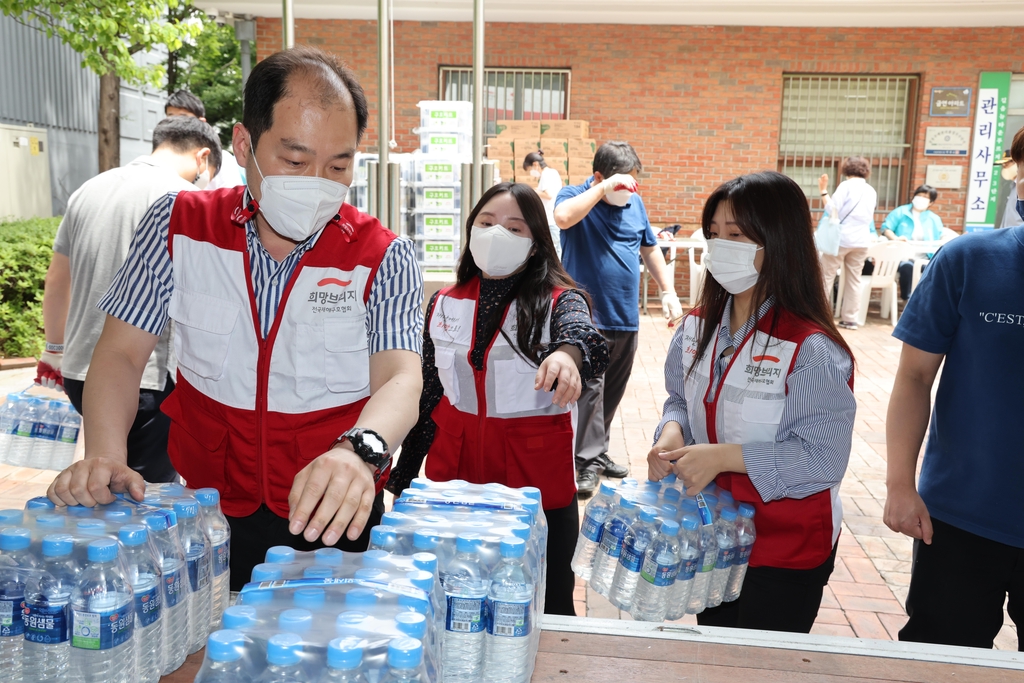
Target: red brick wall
(701, 104)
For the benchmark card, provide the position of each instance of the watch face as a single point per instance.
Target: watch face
(374, 442)
(369, 446)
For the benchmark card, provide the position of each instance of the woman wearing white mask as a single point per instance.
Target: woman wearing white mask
(548, 185)
(761, 402)
(914, 221)
(506, 351)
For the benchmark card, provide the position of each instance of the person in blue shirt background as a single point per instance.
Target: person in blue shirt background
(605, 229)
(913, 222)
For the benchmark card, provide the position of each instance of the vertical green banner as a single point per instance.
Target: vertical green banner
(989, 131)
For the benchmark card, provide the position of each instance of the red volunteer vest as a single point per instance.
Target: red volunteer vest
(493, 426)
(248, 413)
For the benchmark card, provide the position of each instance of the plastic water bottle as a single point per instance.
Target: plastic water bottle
(20, 452)
(594, 517)
(44, 432)
(405, 661)
(465, 586)
(224, 659)
(745, 537)
(690, 557)
(284, 660)
(67, 441)
(215, 524)
(612, 536)
(280, 554)
(627, 573)
(702, 579)
(661, 564)
(344, 662)
(725, 538)
(383, 537)
(197, 556)
(507, 658)
(147, 580)
(175, 597)
(11, 517)
(47, 595)
(102, 620)
(15, 558)
(9, 413)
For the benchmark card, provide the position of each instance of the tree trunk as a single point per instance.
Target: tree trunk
(110, 122)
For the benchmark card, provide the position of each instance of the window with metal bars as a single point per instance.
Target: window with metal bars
(512, 94)
(827, 118)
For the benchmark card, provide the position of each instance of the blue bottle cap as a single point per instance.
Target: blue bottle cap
(710, 490)
(384, 536)
(309, 598)
(295, 620)
(268, 571)
(649, 485)
(725, 498)
(419, 483)
(280, 554)
(317, 571)
(531, 506)
(359, 598)
(102, 550)
(40, 503)
(172, 518)
(411, 602)
(156, 521)
(58, 545)
(648, 498)
(257, 597)
(607, 489)
(117, 515)
(425, 562)
(344, 654)
(332, 557)
(284, 649)
(11, 517)
(729, 514)
(668, 511)
(512, 546)
(171, 490)
(711, 500)
(133, 534)
(690, 522)
(629, 482)
(371, 574)
(393, 519)
(208, 497)
(467, 543)
(92, 527)
(670, 527)
(672, 495)
(422, 580)
(689, 504)
(627, 503)
(381, 559)
(648, 515)
(241, 617)
(746, 510)
(225, 646)
(79, 511)
(405, 653)
(50, 521)
(349, 619)
(412, 624)
(520, 530)
(425, 539)
(531, 492)
(186, 508)
(669, 479)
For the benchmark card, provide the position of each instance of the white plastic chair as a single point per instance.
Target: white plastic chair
(696, 266)
(887, 258)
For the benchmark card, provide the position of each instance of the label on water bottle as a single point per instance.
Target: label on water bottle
(743, 554)
(172, 588)
(198, 568)
(688, 568)
(611, 543)
(631, 557)
(509, 619)
(221, 557)
(101, 630)
(726, 557)
(657, 573)
(466, 615)
(708, 561)
(24, 428)
(147, 606)
(12, 610)
(706, 518)
(591, 529)
(67, 434)
(45, 430)
(46, 624)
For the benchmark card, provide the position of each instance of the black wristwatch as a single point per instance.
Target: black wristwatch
(370, 446)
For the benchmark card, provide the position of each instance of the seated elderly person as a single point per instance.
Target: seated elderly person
(913, 222)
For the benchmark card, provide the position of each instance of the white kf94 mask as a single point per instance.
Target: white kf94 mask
(497, 251)
(732, 264)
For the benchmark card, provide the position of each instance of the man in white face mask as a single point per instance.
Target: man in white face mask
(297, 329)
(605, 233)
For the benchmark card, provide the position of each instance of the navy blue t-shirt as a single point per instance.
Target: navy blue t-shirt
(602, 253)
(970, 308)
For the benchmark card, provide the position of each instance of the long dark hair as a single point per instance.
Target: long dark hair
(772, 210)
(542, 275)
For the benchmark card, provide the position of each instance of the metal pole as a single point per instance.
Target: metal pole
(478, 97)
(384, 106)
(372, 190)
(467, 189)
(245, 32)
(287, 24)
(487, 175)
(395, 199)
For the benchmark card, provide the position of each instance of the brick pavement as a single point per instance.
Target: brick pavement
(865, 595)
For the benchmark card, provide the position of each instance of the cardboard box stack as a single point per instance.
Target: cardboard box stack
(565, 144)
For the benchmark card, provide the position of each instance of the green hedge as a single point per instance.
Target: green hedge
(25, 251)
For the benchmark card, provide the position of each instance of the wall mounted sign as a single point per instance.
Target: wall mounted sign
(945, 177)
(947, 142)
(955, 101)
(989, 128)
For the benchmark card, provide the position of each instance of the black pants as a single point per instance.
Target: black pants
(253, 536)
(906, 275)
(958, 585)
(563, 529)
(774, 599)
(147, 439)
(600, 399)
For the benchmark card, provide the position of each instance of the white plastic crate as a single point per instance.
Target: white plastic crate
(435, 225)
(446, 115)
(438, 198)
(437, 253)
(436, 169)
(445, 142)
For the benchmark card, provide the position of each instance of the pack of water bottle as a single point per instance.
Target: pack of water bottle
(659, 554)
(38, 432)
(112, 593)
(491, 543)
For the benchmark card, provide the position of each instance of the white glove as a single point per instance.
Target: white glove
(670, 306)
(619, 181)
(48, 372)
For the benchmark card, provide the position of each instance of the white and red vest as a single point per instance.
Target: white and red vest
(492, 425)
(248, 413)
(746, 408)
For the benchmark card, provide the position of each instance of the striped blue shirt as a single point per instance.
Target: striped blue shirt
(812, 446)
(140, 293)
